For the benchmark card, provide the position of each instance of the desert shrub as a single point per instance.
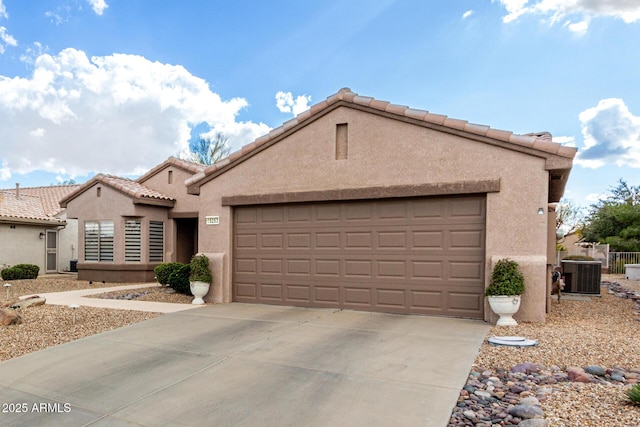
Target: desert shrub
(634, 394)
(164, 270)
(506, 279)
(578, 258)
(179, 279)
(200, 269)
(20, 271)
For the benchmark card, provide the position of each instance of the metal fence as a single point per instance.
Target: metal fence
(614, 260)
(597, 252)
(617, 260)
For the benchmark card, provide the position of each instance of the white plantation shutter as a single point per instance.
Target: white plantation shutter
(156, 241)
(98, 241)
(106, 240)
(91, 241)
(132, 240)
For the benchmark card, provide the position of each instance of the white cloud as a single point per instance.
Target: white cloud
(578, 27)
(119, 114)
(569, 141)
(611, 135)
(98, 6)
(467, 14)
(286, 103)
(582, 10)
(6, 39)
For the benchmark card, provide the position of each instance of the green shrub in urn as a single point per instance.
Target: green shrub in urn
(506, 279)
(200, 269)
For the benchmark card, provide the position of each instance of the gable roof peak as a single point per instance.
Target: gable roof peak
(539, 143)
(186, 165)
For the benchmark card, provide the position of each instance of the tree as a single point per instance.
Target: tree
(208, 151)
(616, 219)
(569, 216)
(67, 182)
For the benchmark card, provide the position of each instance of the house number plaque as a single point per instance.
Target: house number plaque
(212, 220)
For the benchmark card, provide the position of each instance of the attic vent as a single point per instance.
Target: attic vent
(342, 141)
(170, 177)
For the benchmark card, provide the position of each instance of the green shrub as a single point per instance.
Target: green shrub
(506, 279)
(164, 270)
(20, 271)
(578, 258)
(200, 269)
(179, 279)
(634, 394)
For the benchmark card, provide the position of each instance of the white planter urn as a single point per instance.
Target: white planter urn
(199, 290)
(505, 307)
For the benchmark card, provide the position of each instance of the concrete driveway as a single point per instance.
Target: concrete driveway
(249, 365)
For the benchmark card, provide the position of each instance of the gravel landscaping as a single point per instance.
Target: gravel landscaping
(597, 332)
(601, 334)
(47, 325)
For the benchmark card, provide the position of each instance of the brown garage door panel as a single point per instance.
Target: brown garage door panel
(423, 255)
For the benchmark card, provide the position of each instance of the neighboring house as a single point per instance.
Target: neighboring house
(34, 229)
(356, 203)
(570, 240)
(127, 227)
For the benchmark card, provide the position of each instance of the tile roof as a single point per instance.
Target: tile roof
(50, 196)
(134, 189)
(539, 142)
(24, 207)
(186, 165)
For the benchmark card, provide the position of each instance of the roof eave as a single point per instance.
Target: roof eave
(32, 221)
(153, 202)
(527, 144)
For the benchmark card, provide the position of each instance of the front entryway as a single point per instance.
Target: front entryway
(186, 238)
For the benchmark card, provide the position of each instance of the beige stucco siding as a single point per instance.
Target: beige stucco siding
(113, 205)
(384, 152)
(26, 246)
(184, 203)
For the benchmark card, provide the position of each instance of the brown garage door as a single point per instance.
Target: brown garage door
(423, 255)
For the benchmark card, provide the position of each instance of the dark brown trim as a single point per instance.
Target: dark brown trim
(116, 267)
(437, 189)
(175, 215)
(153, 202)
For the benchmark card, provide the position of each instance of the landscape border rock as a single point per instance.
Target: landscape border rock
(511, 398)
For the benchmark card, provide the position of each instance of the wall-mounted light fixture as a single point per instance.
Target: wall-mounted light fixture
(540, 211)
(41, 235)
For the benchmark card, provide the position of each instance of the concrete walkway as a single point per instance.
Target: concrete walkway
(249, 365)
(80, 298)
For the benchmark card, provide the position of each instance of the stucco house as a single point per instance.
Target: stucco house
(362, 204)
(127, 227)
(35, 230)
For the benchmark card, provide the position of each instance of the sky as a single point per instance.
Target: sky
(118, 86)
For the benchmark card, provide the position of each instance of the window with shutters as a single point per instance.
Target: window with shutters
(132, 240)
(98, 241)
(156, 241)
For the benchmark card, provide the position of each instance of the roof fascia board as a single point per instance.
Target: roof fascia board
(29, 221)
(151, 201)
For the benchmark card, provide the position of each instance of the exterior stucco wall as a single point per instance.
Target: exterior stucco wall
(387, 152)
(115, 206)
(67, 244)
(26, 247)
(185, 203)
